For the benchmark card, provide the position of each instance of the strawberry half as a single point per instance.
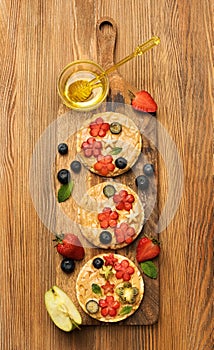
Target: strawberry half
(144, 102)
(147, 249)
(69, 246)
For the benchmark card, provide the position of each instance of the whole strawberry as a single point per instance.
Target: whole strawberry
(147, 249)
(69, 246)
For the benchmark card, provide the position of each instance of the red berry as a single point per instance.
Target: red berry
(144, 102)
(104, 224)
(130, 198)
(127, 206)
(120, 206)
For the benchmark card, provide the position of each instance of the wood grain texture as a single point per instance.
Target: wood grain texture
(37, 39)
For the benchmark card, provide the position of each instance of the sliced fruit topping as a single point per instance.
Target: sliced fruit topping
(104, 165)
(61, 309)
(69, 246)
(67, 265)
(109, 191)
(108, 218)
(105, 237)
(98, 263)
(123, 270)
(91, 147)
(108, 287)
(106, 271)
(115, 128)
(92, 306)
(124, 233)
(127, 293)
(147, 249)
(121, 163)
(142, 182)
(148, 169)
(98, 128)
(63, 176)
(144, 102)
(110, 259)
(109, 306)
(63, 148)
(123, 200)
(76, 166)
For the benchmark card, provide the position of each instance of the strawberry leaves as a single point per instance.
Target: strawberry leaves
(125, 310)
(65, 191)
(115, 151)
(96, 289)
(149, 269)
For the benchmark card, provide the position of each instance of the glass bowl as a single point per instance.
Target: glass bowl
(82, 70)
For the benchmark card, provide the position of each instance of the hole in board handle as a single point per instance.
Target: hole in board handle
(106, 27)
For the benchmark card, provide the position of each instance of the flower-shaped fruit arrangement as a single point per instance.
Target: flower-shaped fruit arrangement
(116, 138)
(91, 147)
(123, 200)
(108, 218)
(98, 128)
(104, 165)
(114, 292)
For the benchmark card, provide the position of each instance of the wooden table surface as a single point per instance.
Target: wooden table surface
(37, 39)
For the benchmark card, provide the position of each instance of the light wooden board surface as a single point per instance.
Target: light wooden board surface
(37, 38)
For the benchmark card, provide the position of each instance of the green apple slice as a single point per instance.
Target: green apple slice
(62, 310)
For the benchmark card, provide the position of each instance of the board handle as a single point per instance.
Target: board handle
(106, 31)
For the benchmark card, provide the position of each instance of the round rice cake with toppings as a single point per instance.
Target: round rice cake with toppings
(110, 215)
(109, 287)
(109, 144)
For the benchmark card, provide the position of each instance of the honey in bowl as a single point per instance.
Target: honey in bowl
(86, 71)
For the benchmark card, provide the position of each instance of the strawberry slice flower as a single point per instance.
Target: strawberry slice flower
(123, 270)
(104, 165)
(98, 128)
(110, 259)
(123, 200)
(108, 218)
(108, 287)
(124, 233)
(91, 147)
(109, 306)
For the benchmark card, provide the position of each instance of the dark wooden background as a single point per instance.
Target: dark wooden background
(37, 38)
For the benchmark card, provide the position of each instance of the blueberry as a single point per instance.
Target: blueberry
(142, 182)
(98, 263)
(76, 166)
(105, 237)
(148, 169)
(63, 176)
(67, 265)
(63, 148)
(121, 163)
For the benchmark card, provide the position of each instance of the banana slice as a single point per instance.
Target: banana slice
(62, 310)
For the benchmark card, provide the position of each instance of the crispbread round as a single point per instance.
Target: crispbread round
(94, 201)
(129, 140)
(89, 275)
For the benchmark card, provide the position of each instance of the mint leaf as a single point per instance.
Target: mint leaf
(65, 191)
(125, 310)
(116, 150)
(149, 269)
(96, 289)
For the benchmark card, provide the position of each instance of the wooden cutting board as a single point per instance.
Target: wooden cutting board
(119, 93)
